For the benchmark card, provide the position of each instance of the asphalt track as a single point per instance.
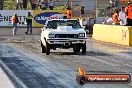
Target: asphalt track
(20, 55)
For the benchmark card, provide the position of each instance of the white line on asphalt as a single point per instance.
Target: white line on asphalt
(12, 75)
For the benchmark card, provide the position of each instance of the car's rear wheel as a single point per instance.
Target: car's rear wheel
(43, 49)
(47, 47)
(84, 48)
(76, 49)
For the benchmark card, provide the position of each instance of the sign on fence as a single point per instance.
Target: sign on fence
(6, 15)
(40, 16)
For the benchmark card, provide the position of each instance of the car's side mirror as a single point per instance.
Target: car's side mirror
(43, 28)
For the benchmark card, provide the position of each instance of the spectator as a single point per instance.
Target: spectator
(33, 4)
(19, 4)
(1, 4)
(29, 18)
(116, 2)
(14, 22)
(36, 4)
(40, 3)
(46, 4)
(88, 29)
(69, 4)
(51, 4)
(128, 11)
(24, 4)
(69, 14)
(112, 3)
(82, 11)
(122, 17)
(115, 18)
(43, 5)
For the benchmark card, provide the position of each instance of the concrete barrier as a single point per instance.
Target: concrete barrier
(114, 34)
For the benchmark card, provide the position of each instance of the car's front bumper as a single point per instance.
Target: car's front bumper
(66, 41)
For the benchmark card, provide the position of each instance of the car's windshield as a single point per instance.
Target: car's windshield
(55, 23)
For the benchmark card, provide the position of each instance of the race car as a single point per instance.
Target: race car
(63, 34)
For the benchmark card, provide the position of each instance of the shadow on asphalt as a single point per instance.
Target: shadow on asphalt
(127, 52)
(88, 53)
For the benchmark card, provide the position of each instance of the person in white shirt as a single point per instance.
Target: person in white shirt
(68, 4)
(122, 17)
(40, 3)
(19, 4)
(112, 3)
(51, 4)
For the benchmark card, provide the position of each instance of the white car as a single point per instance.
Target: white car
(63, 34)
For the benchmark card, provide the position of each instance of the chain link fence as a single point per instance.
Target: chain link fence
(11, 5)
(103, 7)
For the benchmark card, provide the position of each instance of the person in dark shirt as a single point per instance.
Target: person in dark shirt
(1, 4)
(24, 4)
(82, 9)
(29, 18)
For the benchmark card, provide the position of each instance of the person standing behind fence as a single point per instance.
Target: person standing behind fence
(122, 17)
(69, 13)
(25, 4)
(46, 4)
(19, 4)
(1, 4)
(14, 22)
(29, 18)
(112, 3)
(33, 4)
(128, 11)
(51, 4)
(40, 3)
(82, 11)
(115, 18)
(43, 5)
(69, 4)
(116, 2)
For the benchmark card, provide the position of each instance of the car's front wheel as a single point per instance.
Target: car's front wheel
(47, 47)
(43, 49)
(84, 48)
(76, 49)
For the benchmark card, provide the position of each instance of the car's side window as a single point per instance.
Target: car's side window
(48, 25)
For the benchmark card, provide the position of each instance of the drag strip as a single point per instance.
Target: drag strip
(29, 73)
(22, 55)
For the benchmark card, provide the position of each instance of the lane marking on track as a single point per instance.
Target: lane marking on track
(10, 73)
